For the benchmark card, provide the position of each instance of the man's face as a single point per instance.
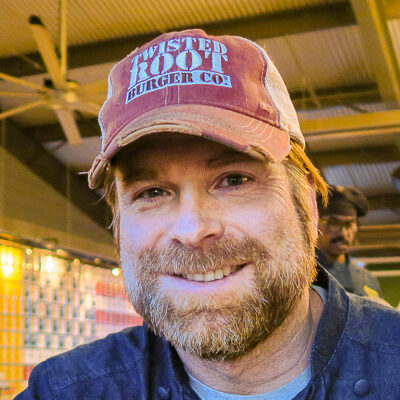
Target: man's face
(337, 234)
(211, 249)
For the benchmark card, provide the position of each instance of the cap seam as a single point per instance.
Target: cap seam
(284, 125)
(263, 81)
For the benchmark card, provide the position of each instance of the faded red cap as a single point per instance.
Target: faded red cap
(224, 88)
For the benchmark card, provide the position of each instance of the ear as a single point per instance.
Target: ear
(313, 201)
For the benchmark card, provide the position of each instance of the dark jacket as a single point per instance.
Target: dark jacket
(356, 354)
(354, 279)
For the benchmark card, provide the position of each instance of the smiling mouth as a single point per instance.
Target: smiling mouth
(213, 275)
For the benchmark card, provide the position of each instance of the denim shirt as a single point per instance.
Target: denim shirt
(355, 355)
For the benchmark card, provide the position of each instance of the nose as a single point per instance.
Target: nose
(196, 222)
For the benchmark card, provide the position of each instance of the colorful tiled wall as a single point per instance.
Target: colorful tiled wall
(50, 304)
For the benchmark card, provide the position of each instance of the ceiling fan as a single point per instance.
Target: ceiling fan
(58, 93)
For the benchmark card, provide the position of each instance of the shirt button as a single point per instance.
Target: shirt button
(163, 394)
(361, 388)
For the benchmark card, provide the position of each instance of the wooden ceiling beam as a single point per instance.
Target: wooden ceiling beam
(259, 27)
(376, 250)
(351, 123)
(359, 156)
(370, 234)
(378, 46)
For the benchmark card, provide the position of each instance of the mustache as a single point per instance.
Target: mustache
(340, 238)
(178, 259)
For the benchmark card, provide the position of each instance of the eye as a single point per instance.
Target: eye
(152, 193)
(234, 180)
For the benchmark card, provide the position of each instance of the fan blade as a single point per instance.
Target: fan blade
(37, 65)
(90, 108)
(23, 82)
(20, 109)
(93, 87)
(20, 94)
(68, 123)
(63, 38)
(47, 51)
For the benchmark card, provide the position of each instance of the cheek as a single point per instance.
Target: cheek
(262, 218)
(139, 233)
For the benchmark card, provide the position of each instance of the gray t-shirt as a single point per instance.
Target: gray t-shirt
(286, 392)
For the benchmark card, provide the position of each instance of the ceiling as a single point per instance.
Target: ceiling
(339, 59)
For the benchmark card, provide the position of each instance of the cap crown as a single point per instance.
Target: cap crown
(191, 67)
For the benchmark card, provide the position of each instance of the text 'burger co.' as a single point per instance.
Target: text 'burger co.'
(183, 61)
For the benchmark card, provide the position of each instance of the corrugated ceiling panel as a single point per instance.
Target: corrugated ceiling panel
(371, 179)
(338, 175)
(16, 36)
(325, 113)
(380, 217)
(96, 20)
(322, 59)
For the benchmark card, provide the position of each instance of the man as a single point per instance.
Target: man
(215, 219)
(338, 225)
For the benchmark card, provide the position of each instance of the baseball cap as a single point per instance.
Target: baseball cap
(344, 200)
(224, 88)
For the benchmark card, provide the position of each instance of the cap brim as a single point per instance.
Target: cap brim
(238, 131)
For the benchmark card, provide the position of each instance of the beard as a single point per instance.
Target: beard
(205, 326)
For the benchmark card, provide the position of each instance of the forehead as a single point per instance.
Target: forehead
(157, 150)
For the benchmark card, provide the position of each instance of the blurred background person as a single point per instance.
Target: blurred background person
(338, 225)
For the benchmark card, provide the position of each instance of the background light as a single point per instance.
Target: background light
(7, 270)
(48, 264)
(7, 262)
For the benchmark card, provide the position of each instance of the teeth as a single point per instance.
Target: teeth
(198, 277)
(218, 274)
(211, 275)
